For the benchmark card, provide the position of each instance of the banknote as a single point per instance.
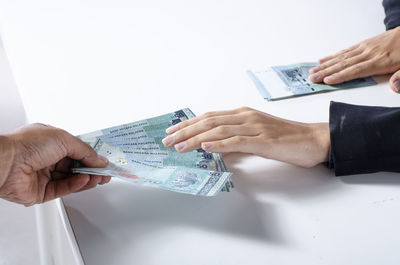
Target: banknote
(136, 154)
(175, 178)
(280, 82)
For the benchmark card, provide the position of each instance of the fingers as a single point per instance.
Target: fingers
(105, 180)
(339, 65)
(217, 133)
(94, 181)
(199, 127)
(335, 60)
(58, 188)
(64, 165)
(243, 144)
(78, 150)
(359, 70)
(72, 183)
(194, 120)
(222, 127)
(338, 54)
(374, 56)
(395, 82)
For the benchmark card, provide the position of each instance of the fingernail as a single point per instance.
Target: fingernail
(180, 146)
(206, 146)
(396, 85)
(167, 141)
(102, 158)
(329, 79)
(313, 70)
(172, 129)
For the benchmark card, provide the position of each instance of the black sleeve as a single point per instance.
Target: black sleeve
(392, 11)
(364, 139)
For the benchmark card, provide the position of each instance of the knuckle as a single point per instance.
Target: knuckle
(363, 45)
(60, 135)
(253, 117)
(180, 135)
(222, 130)
(192, 142)
(347, 56)
(220, 145)
(344, 64)
(342, 56)
(38, 124)
(61, 132)
(370, 50)
(323, 66)
(324, 72)
(31, 203)
(244, 109)
(208, 114)
(238, 139)
(209, 123)
(181, 125)
(357, 68)
(260, 127)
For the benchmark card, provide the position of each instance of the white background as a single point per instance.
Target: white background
(85, 65)
(18, 238)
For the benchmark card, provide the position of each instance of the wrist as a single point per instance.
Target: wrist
(6, 158)
(322, 141)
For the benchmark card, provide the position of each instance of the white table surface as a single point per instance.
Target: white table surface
(84, 65)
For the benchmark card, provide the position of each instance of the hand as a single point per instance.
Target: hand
(36, 163)
(250, 131)
(376, 56)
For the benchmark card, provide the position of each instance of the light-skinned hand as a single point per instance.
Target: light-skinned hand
(36, 162)
(250, 131)
(376, 56)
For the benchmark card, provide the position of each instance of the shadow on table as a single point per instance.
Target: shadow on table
(381, 178)
(120, 212)
(299, 183)
(283, 179)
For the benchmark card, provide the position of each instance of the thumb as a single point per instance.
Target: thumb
(395, 82)
(79, 150)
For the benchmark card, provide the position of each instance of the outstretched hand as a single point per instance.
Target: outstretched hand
(376, 56)
(250, 131)
(36, 164)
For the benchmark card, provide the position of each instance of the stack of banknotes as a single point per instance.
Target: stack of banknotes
(136, 154)
(280, 82)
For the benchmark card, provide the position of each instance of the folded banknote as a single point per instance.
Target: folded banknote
(137, 155)
(280, 82)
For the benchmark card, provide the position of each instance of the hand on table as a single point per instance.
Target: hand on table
(376, 56)
(36, 163)
(250, 131)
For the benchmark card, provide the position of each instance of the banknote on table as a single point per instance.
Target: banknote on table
(136, 154)
(280, 82)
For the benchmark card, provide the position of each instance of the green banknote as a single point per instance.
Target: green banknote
(136, 154)
(280, 82)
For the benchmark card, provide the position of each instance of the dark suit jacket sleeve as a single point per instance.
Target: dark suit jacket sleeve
(364, 139)
(392, 11)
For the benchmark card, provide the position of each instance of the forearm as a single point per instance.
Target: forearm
(6, 158)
